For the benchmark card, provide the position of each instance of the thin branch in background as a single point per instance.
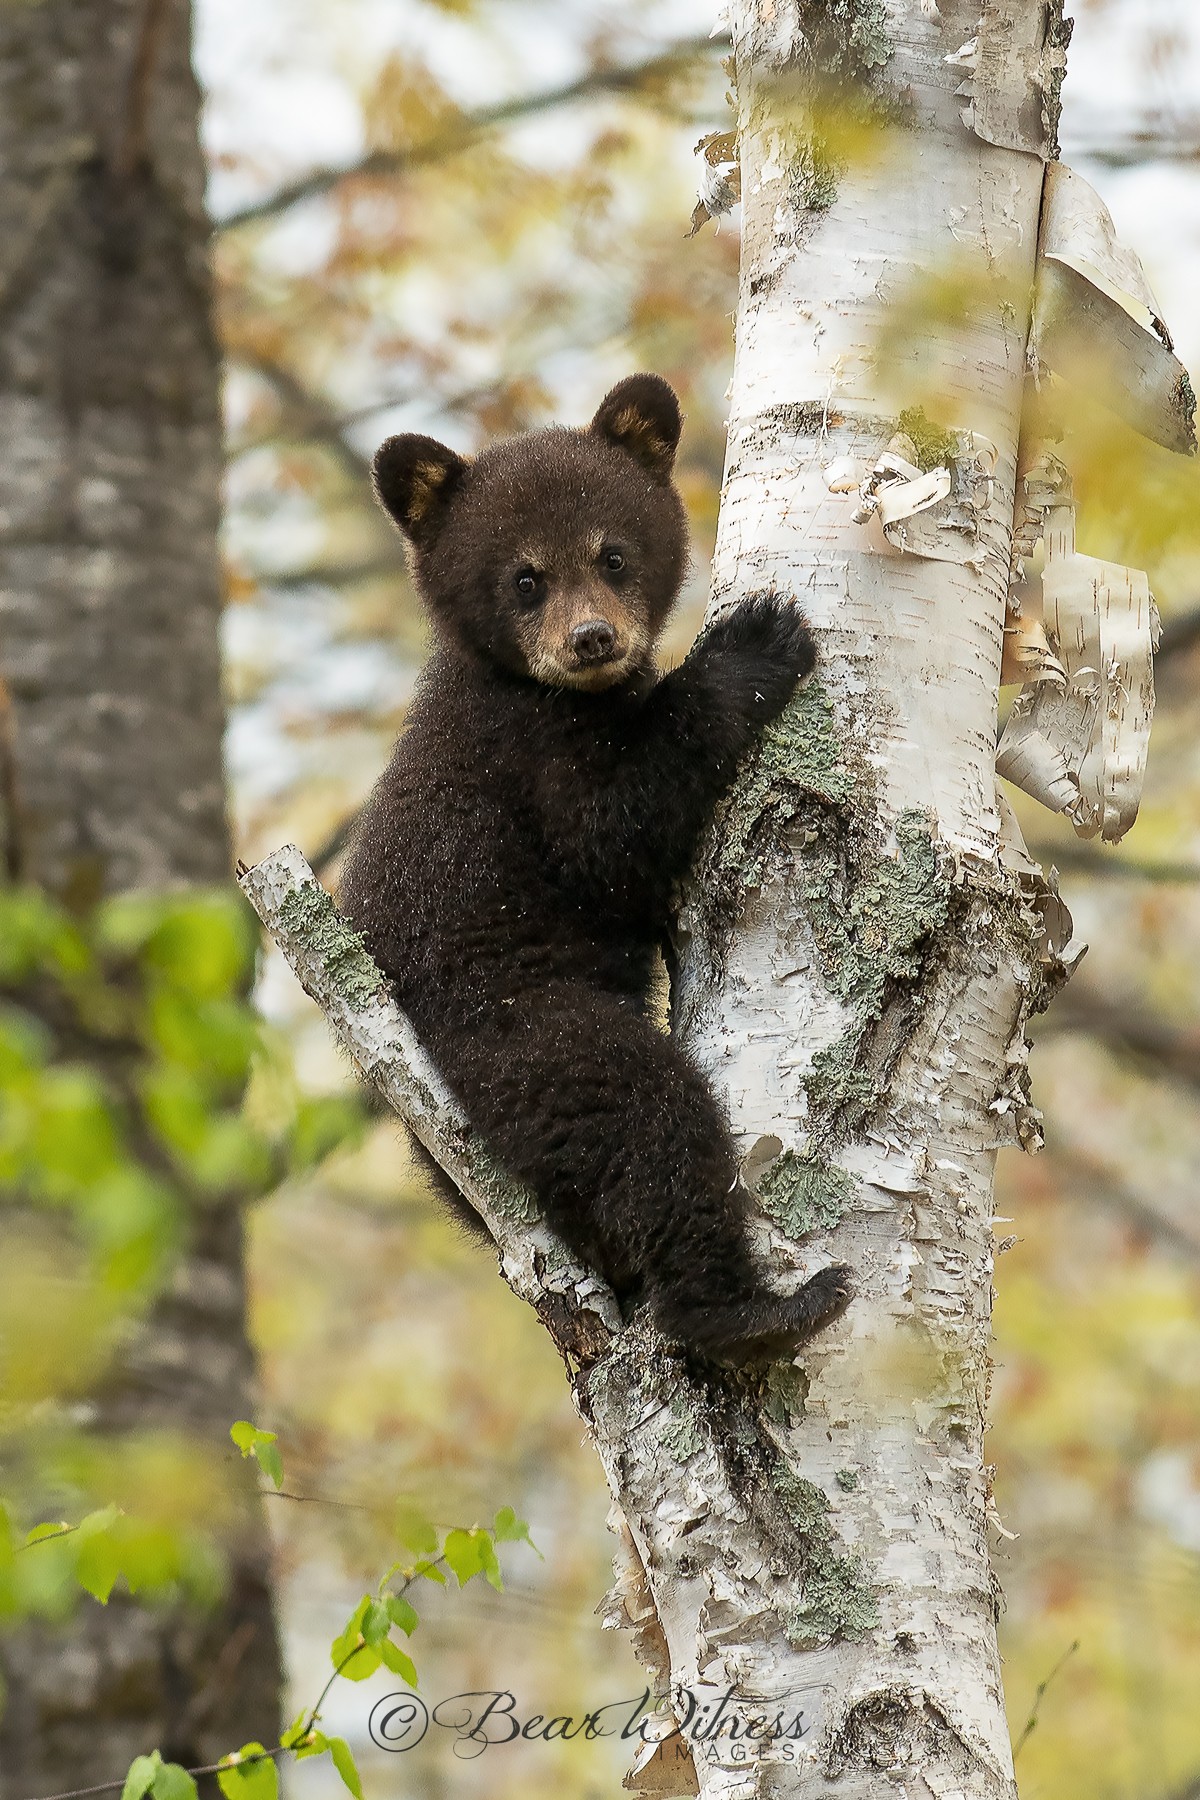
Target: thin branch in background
(1144, 141)
(1110, 865)
(130, 149)
(336, 842)
(331, 574)
(1180, 1234)
(626, 79)
(312, 412)
(1039, 1696)
(1129, 1031)
(1179, 634)
(340, 421)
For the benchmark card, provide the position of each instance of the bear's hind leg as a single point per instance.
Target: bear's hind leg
(623, 1143)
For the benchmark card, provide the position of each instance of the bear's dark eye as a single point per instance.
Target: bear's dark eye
(613, 560)
(527, 583)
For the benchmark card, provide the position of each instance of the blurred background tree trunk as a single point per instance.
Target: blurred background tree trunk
(110, 752)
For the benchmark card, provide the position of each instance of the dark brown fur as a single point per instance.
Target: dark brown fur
(514, 869)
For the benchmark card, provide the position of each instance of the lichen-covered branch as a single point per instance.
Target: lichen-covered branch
(334, 969)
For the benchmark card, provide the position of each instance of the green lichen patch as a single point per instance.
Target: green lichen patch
(784, 1394)
(847, 39)
(872, 915)
(309, 913)
(936, 447)
(503, 1194)
(680, 1434)
(838, 1601)
(846, 1479)
(813, 176)
(799, 757)
(871, 928)
(843, 1083)
(806, 1194)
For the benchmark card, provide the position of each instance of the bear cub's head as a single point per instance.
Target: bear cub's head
(557, 555)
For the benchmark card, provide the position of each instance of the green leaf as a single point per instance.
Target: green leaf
(296, 1732)
(463, 1553)
(270, 1462)
(46, 1530)
(323, 1124)
(431, 1572)
(376, 1622)
(509, 1529)
(200, 943)
(414, 1530)
(245, 1435)
(489, 1562)
(262, 1446)
(395, 1659)
(94, 1522)
(98, 1565)
(402, 1613)
(243, 1780)
(350, 1654)
(140, 1779)
(172, 1782)
(343, 1762)
(303, 1738)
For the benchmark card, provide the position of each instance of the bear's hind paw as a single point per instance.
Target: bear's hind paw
(775, 1325)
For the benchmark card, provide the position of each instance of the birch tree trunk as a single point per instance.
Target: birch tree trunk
(804, 1548)
(865, 940)
(110, 752)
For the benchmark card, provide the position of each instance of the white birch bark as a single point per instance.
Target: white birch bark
(861, 948)
(807, 1545)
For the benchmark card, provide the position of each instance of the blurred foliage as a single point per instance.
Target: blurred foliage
(127, 1043)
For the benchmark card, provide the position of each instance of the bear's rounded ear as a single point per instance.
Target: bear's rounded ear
(642, 416)
(414, 478)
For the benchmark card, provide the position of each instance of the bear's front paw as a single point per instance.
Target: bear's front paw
(764, 647)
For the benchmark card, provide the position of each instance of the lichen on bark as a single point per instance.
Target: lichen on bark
(806, 1193)
(798, 758)
(838, 1601)
(311, 913)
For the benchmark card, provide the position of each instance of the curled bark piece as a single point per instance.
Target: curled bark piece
(1019, 114)
(720, 178)
(1096, 321)
(934, 513)
(1079, 744)
(1027, 653)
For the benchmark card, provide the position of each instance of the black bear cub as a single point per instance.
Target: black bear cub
(513, 870)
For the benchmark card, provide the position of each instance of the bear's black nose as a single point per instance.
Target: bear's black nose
(593, 641)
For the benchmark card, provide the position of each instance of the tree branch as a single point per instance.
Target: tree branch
(331, 575)
(313, 414)
(1145, 141)
(625, 79)
(333, 968)
(1179, 634)
(130, 149)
